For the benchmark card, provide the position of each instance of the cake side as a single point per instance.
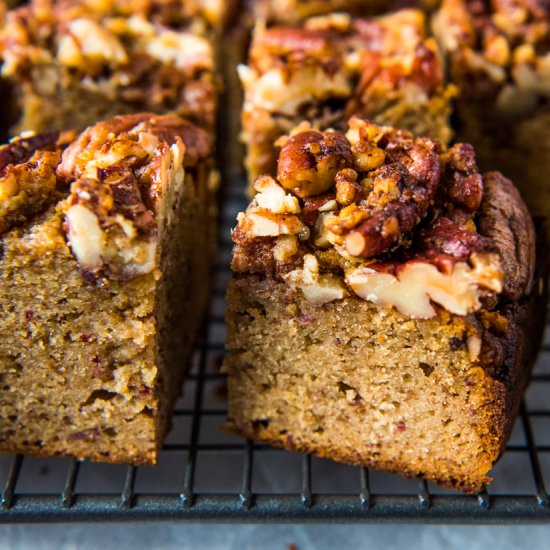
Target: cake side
(383, 310)
(72, 65)
(99, 285)
(334, 66)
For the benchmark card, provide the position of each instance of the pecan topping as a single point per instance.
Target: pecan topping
(500, 50)
(395, 225)
(309, 161)
(118, 52)
(402, 190)
(120, 172)
(27, 176)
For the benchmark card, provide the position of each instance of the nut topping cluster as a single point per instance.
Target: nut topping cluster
(27, 176)
(115, 185)
(120, 172)
(333, 67)
(113, 49)
(375, 212)
(500, 48)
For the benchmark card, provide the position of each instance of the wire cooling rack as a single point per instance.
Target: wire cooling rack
(206, 475)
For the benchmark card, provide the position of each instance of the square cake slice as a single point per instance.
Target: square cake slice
(498, 55)
(103, 280)
(74, 63)
(384, 310)
(334, 66)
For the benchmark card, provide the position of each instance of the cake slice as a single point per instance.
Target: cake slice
(74, 63)
(384, 309)
(103, 280)
(334, 66)
(498, 54)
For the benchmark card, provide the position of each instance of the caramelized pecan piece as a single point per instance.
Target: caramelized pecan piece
(411, 181)
(309, 161)
(28, 184)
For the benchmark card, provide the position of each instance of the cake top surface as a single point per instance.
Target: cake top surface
(288, 66)
(377, 213)
(116, 183)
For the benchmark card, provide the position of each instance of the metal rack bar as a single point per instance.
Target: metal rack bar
(127, 496)
(276, 508)
(245, 495)
(364, 493)
(306, 495)
(189, 476)
(542, 494)
(67, 495)
(9, 487)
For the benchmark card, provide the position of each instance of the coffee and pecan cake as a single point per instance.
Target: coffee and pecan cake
(335, 66)
(103, 278)
(384, 309)
(499, 56)
(74, 63)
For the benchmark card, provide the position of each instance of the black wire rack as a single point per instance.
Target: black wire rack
(206, 475)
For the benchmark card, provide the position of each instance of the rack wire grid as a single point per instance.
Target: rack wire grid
(206, 475)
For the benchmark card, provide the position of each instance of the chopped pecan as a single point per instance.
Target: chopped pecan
(309, 161)
(121, 171)
(27, 176)
(444, 236)
(462, 181)
(413, 174)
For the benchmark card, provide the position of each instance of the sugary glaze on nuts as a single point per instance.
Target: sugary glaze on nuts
(293, 11)
(112, 51)
(335, 66)
(377, 213)
(499, 48)
(349, 51)
(115, 179)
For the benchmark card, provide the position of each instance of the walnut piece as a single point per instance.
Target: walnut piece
(416, 283)
(28, 184)
(317, 289)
